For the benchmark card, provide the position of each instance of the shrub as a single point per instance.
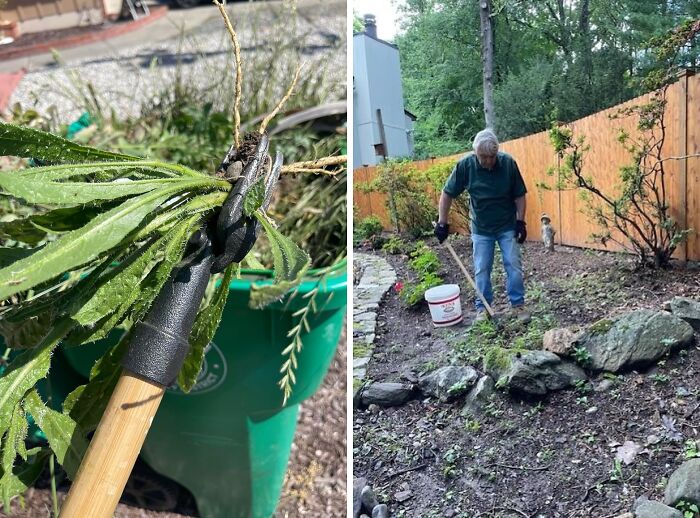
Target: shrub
(367, 228)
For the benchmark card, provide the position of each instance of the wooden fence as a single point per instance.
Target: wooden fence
(535, 156)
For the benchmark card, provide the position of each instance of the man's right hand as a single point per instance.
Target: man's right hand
(441, 231)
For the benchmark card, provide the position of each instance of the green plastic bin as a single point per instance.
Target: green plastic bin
(228, 440)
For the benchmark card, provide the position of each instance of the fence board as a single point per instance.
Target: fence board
(535, 156)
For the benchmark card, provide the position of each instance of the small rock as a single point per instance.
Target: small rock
(402, 496)
(653, 439)
(369, 501)
(682, 392)
(358, 485)
(373, 409)
(684, 484)
(559, 341)
(592, 410)
(386, 394)
(449, 513)
(364, 516)
(380, 511)
(447, 383)
(628, 452)
(479, 396)
(604, 385)
(625, 515)
(645, 508)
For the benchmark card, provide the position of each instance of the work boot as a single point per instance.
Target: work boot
(520, 314)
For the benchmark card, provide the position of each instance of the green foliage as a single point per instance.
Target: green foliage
(689, 509)
(410, 208)
(414, 293)
(424, 261)
(691, 450)
(144, 230)
(435, 177)
(395, 245)
(582, 356)
(367, 228)
(550, 64)
(635, 213)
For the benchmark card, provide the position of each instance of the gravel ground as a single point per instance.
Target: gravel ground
(314, 34)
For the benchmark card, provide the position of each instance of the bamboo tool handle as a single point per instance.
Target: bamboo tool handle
(114, 448)
(471, 281)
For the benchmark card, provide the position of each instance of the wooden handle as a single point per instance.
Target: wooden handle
(471, 281)
(100, 481)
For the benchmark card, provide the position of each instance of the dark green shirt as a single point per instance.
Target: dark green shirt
(492, 193)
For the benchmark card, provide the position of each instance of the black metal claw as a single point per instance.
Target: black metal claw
(236, 233)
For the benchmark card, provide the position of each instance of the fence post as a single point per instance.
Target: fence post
(683, 165)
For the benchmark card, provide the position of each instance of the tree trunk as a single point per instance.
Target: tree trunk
(487, 51)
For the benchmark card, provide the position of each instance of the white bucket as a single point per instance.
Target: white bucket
(445, 306)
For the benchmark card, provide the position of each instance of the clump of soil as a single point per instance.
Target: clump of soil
(554, 457)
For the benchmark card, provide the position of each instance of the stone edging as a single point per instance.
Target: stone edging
(378, 276)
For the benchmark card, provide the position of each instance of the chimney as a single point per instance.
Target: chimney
(370, 22)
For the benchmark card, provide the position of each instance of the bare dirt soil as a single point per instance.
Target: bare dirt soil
(549, 458)
(316, 478)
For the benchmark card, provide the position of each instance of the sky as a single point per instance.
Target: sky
(386, 13)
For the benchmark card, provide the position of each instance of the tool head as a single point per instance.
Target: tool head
(236, 232)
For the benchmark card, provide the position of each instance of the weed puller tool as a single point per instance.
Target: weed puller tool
(488, 307)
(160, 342)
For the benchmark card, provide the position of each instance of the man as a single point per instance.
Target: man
(497, 206)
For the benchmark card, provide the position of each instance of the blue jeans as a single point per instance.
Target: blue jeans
(483, 248)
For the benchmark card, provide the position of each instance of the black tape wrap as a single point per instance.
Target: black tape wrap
(160, 342)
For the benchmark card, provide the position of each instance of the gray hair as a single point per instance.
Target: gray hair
(486, 142)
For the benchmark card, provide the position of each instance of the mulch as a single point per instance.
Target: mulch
(553, 457)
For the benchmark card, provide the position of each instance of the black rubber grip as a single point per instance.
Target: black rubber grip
(161, 341)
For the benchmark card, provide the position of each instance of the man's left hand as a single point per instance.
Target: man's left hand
(520, 231)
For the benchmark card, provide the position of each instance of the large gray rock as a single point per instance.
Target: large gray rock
(447, 383)
(535, 373)
(386, 394)
(634, 339)
(684, 484)
(645, 508)
(358, 484)
(479, 396)
(687, 309)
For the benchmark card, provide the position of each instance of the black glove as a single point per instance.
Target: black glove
(441, 231)
(520, 231)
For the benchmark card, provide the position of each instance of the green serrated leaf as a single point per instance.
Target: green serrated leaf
(101, 171)
(151, 285)
(26, 142)
(71, 193)
(13, 442)
(26, 370)
(77, 248)
(23, 477)
(254, 197)
(87, 403)
(121, 284)
(67, 440)
(290, 261)
(203, 331)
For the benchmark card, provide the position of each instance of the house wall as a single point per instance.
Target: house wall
(377, 85)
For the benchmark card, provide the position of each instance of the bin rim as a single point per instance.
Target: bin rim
(336, 280)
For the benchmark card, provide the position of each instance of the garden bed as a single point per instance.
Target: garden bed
(553, 457)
